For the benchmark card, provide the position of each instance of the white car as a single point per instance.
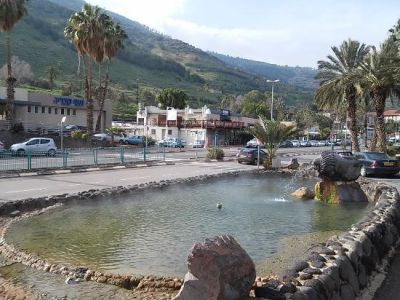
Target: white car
(198, 144)
(107, 137)
(253, 143)
(1, 146)
(296, 143)
(35, 145)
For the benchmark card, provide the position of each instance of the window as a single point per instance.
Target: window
(44, 141)
(49, 110)
(36, 109)
(29, 108)
(62, 110)
(74, 112)
(68, 111)
(153, 131)
(43, 109)
(169, 131)
(33, 142)
(56, 111)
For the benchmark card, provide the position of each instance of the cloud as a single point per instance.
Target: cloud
(259, 44)
(150, 12)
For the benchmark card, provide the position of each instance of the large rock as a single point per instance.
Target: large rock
(304, 193)
(339, 192)
(331, 166)
(219, 269)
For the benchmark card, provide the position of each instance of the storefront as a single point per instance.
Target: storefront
(44, 111)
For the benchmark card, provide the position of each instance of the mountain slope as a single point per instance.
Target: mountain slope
(153, 60)
(298, 76)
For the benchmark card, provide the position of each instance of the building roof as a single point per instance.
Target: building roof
(392, 112)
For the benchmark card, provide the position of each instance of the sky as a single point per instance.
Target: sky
(284, 32)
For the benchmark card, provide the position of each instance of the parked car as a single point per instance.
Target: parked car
(296, 143)
(345, 154)
(249, 155)
(198, 144)
(1, 146)
(172, 142)
(321, 143)
(67, 129)
(286, 144)
(305, 143)
(133, 140)
(40, 145)
(377, 163)
(107, 137)
(254, 143)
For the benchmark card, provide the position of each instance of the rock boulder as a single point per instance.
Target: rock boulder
(218, 268)
(304, 193)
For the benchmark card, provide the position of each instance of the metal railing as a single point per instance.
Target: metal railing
(11, 161)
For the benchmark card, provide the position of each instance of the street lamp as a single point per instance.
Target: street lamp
(272, 96)
(62, 133)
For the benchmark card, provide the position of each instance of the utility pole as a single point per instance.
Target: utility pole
(137, 91)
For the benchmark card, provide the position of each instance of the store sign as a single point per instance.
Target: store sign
(65, 101)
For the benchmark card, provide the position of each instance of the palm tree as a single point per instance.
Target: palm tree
(113, 41)
(85, 29)
(272, 133)
(51, 75)
(379, 77)
(11, 11)
(338, 86)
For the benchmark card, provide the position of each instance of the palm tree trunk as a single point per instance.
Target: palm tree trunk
(101, 102)
(379, 100)
(366, 123)
(351, 111)
(89, 99)
(10, 83)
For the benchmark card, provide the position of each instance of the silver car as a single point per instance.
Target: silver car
(35, 145)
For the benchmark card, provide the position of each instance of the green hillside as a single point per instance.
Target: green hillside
(153, 60)
(297, 76)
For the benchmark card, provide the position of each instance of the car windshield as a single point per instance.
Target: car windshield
(377, 156)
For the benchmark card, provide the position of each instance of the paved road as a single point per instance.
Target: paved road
(81, 157)
(37, 186)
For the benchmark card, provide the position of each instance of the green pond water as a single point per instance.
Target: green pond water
(152, 232)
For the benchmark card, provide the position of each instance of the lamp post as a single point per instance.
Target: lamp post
(62, 133)
(204, 113)
(272, 96)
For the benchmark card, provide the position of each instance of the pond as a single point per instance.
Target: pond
(152, 232)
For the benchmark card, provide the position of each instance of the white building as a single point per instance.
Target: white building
(202, 124)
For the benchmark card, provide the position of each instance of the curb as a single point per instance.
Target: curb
(80, 170)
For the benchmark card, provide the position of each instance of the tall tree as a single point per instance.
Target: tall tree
(51, 75)
(338, 85)
(86, 31)
(11, 11)
(379, 76)
(172, 98)
(114, 36)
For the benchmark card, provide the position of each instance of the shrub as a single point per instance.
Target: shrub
(215, 153)
(79, 135)
(17, 127)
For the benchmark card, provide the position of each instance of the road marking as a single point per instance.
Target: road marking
(28, 190)
(130, 178)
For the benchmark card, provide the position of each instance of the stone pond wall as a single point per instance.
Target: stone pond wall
(345, 266)
(341, 268)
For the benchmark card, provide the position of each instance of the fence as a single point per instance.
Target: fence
(10, 161)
